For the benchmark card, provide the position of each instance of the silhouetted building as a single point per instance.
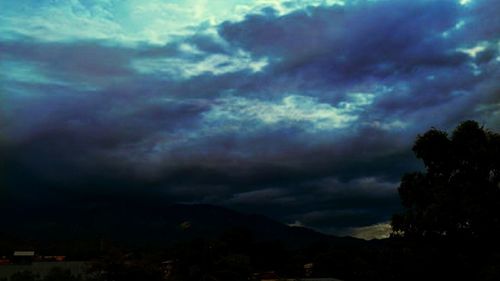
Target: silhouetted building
(23, 257)
(167, 268)
(308, 269)
(4, 260)
(52, 258)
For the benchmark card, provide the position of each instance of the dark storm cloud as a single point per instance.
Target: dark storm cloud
(320, 134)
(412, 47)
(355, 41)
(325, 202)
(209, 44)
(86, 61)
(481, 22)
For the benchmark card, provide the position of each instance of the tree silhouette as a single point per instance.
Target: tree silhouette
(458, 194)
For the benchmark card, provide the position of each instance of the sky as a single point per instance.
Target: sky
(304, 111)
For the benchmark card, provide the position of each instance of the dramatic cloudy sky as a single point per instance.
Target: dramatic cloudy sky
(304, 111)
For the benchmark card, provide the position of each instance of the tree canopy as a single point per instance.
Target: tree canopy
(458, 194)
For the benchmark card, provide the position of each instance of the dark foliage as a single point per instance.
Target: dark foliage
(458, 196)
(58, 274)
(55, 274)
(451, 221)
(24, 276)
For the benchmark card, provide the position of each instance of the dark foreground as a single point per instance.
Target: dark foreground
(237, 254)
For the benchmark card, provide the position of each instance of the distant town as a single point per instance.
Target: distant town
(23, 265)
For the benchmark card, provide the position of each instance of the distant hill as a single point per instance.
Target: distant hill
(155, 225)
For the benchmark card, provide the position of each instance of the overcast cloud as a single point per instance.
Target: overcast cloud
(304, 111)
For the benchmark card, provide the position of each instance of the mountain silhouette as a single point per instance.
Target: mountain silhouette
(157, 225)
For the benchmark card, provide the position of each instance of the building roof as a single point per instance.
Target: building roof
(24, 253)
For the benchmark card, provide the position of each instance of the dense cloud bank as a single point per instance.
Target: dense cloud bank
(306, 115)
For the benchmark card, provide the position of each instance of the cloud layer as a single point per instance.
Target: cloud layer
(302, 110)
